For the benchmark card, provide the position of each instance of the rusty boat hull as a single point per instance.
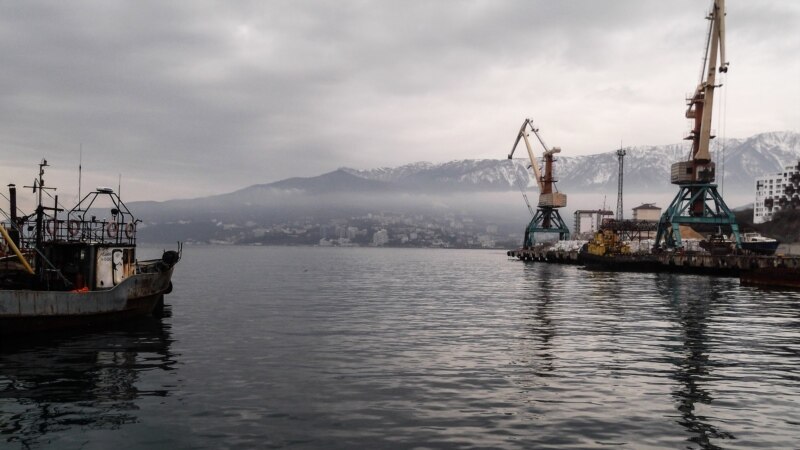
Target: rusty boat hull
(31, 311)
(772, 277)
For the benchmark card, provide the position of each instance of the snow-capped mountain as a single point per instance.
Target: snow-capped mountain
(471, 174)
(646, 168)
(477, 188)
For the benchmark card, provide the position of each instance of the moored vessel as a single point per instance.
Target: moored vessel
(781, 276)
(756, 243)
(73, 268)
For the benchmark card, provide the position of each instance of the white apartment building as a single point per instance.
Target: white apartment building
(588, 221)
(647, 211)
(776, 192)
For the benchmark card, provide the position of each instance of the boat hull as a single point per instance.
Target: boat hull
(26, 311)
(772, 277)
(761, 248)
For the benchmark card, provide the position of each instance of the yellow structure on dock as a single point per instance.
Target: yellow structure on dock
(607, 242)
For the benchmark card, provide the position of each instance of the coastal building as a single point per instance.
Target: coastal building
(588, 221)
(486, 241)
(775, 192)
(647, 211)
(380, 237)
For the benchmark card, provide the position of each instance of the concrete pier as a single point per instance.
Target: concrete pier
(700, 263)
(546, 255)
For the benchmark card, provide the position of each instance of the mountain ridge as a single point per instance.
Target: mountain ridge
(646, 167)
(478, 191)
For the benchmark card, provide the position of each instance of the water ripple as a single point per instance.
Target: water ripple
(373, 348)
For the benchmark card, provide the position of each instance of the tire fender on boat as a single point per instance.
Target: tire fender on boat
(74, 227)
(130, 230)
(111, 229)
(51, 227)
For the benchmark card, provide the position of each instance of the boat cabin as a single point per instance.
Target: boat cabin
(89, 247)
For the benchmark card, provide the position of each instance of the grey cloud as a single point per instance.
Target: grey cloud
(219, 95)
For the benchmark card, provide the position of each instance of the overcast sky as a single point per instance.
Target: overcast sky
(188, 99)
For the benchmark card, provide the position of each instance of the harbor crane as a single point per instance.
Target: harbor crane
(546, 219)
(698, 203)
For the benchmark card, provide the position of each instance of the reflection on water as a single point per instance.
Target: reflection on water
(691, 298)
(397, 349)
(79, 381)
(541, 327)
(609, 343)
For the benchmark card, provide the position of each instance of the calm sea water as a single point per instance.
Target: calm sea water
(379, 348)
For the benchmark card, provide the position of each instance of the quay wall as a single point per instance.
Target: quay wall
(546, 255)
(687, 262)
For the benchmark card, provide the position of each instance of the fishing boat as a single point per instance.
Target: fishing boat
(78, 267)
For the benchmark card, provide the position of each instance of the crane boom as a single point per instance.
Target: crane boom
(699, 168)
(546, 182)
(700, 106)
(523, 134)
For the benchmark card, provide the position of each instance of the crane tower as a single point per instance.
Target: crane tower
(546, 219)
(698, 203)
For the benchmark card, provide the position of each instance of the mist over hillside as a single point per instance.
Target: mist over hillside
(646, 168)
(470, 195)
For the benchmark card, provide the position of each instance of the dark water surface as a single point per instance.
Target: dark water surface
(378, 348)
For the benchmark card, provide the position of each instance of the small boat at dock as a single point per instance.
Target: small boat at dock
(758, 244)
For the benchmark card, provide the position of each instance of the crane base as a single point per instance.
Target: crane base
(546, 220)
(697, 205)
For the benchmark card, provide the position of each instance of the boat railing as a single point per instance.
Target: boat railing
(80, 231)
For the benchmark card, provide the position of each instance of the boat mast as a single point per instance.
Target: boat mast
(80, 172)
(38, 185)
(39, 212)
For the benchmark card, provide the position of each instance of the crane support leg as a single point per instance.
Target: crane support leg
(546, 220)
(696, 204)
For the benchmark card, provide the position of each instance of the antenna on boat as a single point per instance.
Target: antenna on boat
(119, 187)
(80, 171)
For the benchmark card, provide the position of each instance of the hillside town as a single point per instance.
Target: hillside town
(391, 229)
(376, 230)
